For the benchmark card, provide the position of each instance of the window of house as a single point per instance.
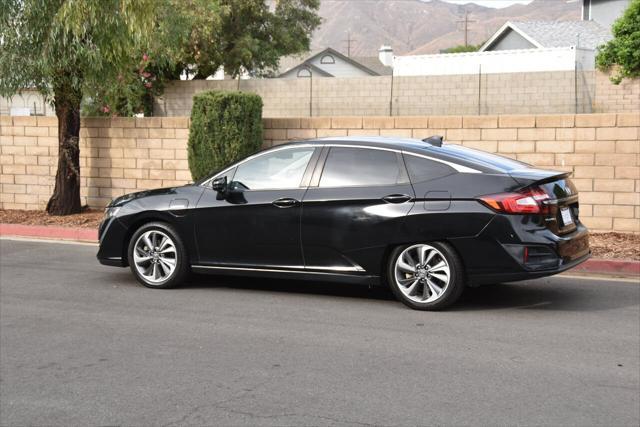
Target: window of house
(304, 72)
(327, 59)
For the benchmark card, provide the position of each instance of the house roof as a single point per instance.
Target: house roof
(542, 34)
(374, 64)
(369, 64)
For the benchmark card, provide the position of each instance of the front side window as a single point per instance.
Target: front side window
(276, 170)
(347, 167)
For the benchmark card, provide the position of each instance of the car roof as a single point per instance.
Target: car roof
(487, 162)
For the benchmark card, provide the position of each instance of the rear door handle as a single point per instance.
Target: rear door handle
(285, 202)
(396, 198)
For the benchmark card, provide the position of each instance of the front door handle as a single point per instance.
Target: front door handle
(285, 202)
(396, 198)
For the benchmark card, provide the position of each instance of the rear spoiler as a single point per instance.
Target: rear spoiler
(530, 176)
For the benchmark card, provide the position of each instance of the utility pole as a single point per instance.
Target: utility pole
(349, 40)
(466, 21)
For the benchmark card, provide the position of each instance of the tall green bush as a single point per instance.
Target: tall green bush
(623, 52)
(225, 127)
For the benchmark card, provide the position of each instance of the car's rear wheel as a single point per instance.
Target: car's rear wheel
(157, 256)
(426, 276)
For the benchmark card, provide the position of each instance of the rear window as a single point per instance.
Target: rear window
(348, 167)
(490, 160)
(421, 169)
(560, 188)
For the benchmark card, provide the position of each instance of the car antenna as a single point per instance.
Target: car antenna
(435, 140)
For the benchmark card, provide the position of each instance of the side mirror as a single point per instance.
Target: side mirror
(220, 184)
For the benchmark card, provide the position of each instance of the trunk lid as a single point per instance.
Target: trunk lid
(562, 210)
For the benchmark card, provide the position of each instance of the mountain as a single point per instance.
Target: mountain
(421, 27)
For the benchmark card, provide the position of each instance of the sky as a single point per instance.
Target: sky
(491, 3)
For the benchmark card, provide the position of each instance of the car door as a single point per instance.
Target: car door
(353, 208)
(257, 223)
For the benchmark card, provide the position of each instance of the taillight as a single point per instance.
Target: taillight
(525, 202)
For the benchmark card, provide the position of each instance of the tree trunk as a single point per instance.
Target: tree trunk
(66, 194)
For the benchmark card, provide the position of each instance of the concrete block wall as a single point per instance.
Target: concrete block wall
(601, 150)
(122, 155)
(610, 97)
(507, 93)
(117, 156)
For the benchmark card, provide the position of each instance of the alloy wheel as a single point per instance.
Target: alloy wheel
(422, 273)
(155, 256)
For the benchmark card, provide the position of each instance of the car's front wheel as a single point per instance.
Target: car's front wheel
(426, 276)
(157, 256)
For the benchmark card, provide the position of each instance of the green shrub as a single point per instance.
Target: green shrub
(225, 127)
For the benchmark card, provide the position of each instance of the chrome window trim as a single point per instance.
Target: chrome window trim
(457, 167)
(284, 268)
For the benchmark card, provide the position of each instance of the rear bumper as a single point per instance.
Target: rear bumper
(513, 248)
(484, 279)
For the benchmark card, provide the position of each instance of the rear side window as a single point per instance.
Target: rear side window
(421, 169)
(348, 167)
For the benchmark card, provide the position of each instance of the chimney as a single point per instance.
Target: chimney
(385, 55)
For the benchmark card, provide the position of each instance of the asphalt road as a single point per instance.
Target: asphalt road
(83, 344)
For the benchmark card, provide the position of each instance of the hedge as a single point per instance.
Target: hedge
(225, 127)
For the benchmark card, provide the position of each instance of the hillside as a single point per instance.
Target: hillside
(419, 27)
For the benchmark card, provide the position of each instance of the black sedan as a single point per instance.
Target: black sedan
(425, 218)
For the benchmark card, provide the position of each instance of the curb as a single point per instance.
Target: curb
(609, 267)
(49, 232)
(591, 266)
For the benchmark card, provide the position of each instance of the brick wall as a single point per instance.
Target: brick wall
(124, 155)
(508, 93)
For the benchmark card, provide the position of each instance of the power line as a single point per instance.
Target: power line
(349, 40)
(466, 22)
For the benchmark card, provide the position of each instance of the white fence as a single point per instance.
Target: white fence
(28, 99)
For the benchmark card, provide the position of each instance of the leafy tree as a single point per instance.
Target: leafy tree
(65, 49)
(135, 88)
(200, 36)
(462, 48)
(623, 51)
(246, 34)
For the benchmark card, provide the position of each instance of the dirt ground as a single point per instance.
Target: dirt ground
(603, 245)
(89, 218)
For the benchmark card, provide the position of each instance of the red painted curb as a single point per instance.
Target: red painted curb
(49, 232)
(609, 266)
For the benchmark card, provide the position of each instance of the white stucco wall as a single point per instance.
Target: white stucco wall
(30, 99)
(605, 12)
(503, 61)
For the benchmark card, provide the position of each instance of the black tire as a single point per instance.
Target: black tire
(182, 268)
(451, 293)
